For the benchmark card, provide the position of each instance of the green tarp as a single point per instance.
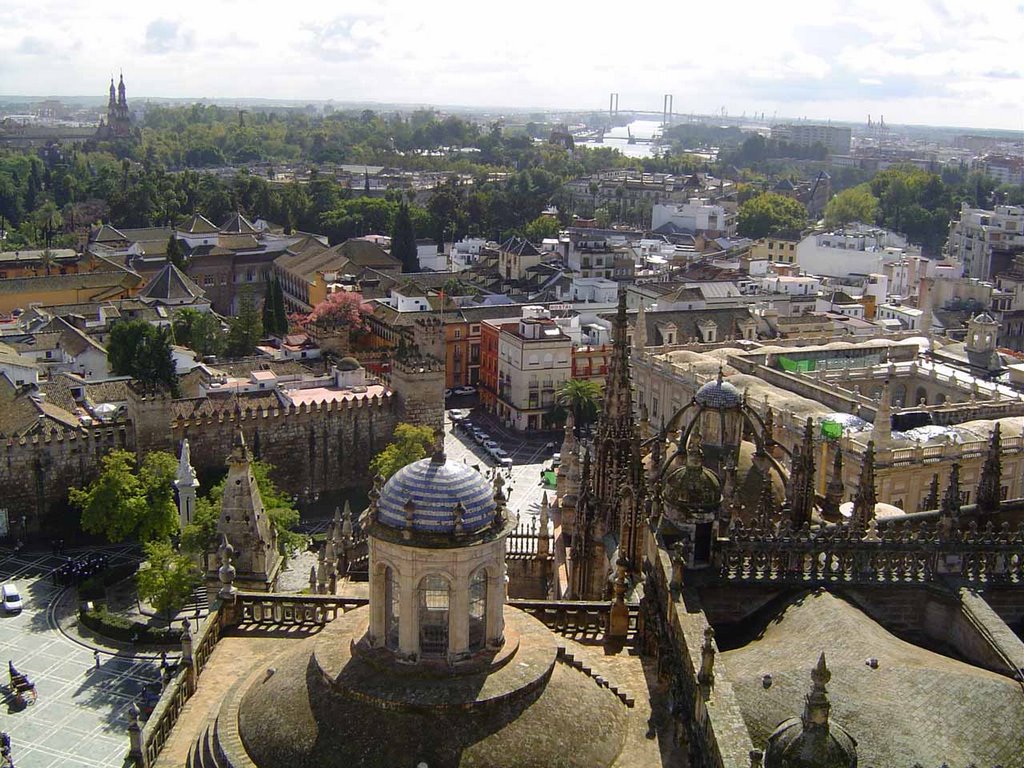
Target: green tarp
(794, 366)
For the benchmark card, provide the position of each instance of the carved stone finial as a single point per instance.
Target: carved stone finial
(226, 572)
(816, 703)
(706, 676)
(457, 512)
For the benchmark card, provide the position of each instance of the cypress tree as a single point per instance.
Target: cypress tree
(280, 316)
(403, 240)
(268, 309)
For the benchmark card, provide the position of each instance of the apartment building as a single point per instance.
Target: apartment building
(834, 138)
(978, 234)
(533, 361)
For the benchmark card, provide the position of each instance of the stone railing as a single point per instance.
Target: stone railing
(271, 610)
(894, 555)
(148, 739)
(291, 610)
(571, 616)
(676, 634)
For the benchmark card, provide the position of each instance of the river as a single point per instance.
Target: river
(618, 138)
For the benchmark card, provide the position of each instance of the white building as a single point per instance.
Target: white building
(856, 251)
(696, 215)
(909, 318)
(593, 289)
(978, 232)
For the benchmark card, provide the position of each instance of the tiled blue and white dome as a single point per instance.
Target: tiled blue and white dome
(718, 394)
(435, 487)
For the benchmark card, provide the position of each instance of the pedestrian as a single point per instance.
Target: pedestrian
(96, 658)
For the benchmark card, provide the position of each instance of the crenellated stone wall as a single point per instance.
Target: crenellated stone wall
(313, 448)
(36, 473)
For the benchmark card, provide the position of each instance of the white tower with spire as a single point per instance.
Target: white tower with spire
(186, 484)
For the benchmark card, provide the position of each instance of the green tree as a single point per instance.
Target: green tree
(267, 311)
(853, 204)
(411, 443)
(403, 240)
(167, 578)
(201, 332)
(128, 500)
(770, 214)
(200, 536)
(246, 328)
(143, 351)
(583, 398)
(175, 253)
(280, 314)
(542, 227)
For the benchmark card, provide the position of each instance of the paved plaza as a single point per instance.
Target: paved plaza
(529, 457)
(80, 715)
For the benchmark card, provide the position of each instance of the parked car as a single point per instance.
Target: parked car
(496, 451)
(447, 394)
(490, 445)
(464, 390)
(10, 598)
(505, 461)
(481, 437)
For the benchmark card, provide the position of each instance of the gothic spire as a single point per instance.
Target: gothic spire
(617, 395)
(931, 501)
(835, 489)
(989, 491)
(951, 498)
(865, 499)
(640, 330)
(816, 703)
(802, 478)
(766, 499)
(881, 430)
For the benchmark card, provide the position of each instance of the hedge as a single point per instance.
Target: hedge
(118, 627)
(95, 587)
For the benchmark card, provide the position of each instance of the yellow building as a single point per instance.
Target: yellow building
(95, 279)
(778, 250)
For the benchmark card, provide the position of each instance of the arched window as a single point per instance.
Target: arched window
(434, 602)
(478, 610)
(391, 609)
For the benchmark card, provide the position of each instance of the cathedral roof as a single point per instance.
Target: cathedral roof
(435, 487)
(972, 715)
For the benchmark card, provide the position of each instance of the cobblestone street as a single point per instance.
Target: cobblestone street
(80, 716)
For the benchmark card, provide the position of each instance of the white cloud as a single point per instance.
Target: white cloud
(950, 62)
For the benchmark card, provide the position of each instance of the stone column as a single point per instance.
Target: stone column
(378, 591)
(135, 746)
(496, 605)
(458, 615)
(409, 607)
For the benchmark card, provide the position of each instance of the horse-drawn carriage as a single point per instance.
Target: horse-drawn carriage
(24, 690)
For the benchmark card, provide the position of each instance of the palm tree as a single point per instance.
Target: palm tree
(584, 398)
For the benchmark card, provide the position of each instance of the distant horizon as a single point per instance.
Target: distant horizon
(940, 63)
(99, 102)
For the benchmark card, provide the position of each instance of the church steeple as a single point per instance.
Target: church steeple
(122, 100)
(113, 95)
(617, 488)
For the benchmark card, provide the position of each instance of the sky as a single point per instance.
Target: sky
(936, 62)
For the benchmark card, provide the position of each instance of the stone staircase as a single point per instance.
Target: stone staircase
(575, 660)
(207, 752)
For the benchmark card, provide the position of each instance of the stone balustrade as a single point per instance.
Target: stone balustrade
(896, 554)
